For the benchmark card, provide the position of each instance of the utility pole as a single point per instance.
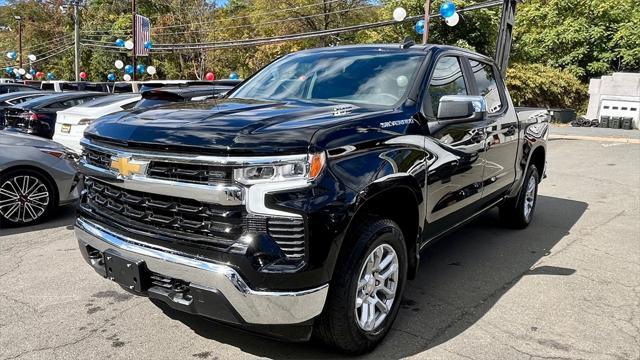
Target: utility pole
(135, 37)
(76, 21)
(427, 10)
(19, 19)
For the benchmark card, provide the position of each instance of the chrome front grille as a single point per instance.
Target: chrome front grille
(180, 218)
(289, 234)
(97, 158)
(193, 200)
(191, 173)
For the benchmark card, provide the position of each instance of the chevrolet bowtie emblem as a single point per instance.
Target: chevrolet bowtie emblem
(126, 167)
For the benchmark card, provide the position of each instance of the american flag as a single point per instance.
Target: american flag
(143, 34)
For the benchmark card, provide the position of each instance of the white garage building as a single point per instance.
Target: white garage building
(617, 95)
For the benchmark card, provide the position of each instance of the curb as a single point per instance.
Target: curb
(594, 138)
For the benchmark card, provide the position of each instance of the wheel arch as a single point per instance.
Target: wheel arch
(399, 203)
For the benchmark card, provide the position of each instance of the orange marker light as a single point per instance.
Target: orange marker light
(316, 165)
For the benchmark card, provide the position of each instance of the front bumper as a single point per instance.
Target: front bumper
(220, 285)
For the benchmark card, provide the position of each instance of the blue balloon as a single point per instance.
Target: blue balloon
(8, 70)
(120, 43)
(50, 76)
(18, 77)
(447, 9)
(111, 77)
(33, 71)
(420, 27)
(128, 69)
(140, 68)
(13, 55)
(148, 44)
(234, 76)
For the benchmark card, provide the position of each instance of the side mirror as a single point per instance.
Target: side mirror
(462, 108)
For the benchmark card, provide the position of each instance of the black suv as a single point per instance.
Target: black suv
(299, 203)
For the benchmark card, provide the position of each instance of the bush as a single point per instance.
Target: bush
(543, 86)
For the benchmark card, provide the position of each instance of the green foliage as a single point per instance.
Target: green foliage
(587, 37)
(543, 86)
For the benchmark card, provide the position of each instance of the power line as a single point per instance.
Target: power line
(252, 15)
(306, 35)
(54, 49)
(272, 21)
(57, 53)
(45, 44)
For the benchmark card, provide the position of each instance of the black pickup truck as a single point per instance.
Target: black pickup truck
(298, 204)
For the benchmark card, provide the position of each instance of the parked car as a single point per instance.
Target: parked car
(177, 94)
(13, 87)
(72, 122)
(15, 98)
(36, 176)
(38, 116)
(299, 203)
(62, 85)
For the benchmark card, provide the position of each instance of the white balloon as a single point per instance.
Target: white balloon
(32, 57)
(22, 71)
(399, 14)
(128, 44)
(453, 19)
(151, 70)
(127, 77)
(119, 64)
(28, 76)
(9, 55)
(15, 71)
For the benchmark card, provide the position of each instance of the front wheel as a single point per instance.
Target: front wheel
(365, 293)
(518, 212)
(26, 197)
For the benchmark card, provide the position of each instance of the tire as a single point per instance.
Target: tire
(18, 208)
(341, 323)
(518, 212)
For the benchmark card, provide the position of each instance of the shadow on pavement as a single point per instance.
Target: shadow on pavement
(61, 216)
(460, 279)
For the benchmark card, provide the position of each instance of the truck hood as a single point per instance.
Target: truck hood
(238, 126)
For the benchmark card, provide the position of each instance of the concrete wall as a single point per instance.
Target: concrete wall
(619, 86)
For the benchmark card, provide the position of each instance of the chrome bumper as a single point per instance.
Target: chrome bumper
(255, 307)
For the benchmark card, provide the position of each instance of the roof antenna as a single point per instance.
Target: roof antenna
(407, 43)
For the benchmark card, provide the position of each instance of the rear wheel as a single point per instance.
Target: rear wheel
(365, 293)
(518, 212)
(26, 197)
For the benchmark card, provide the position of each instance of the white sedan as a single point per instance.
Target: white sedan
(72, 122)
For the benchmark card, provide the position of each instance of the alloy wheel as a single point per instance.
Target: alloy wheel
(530, 197)
(23, 199)
(377, 286)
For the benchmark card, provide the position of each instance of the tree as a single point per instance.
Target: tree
(586, 37)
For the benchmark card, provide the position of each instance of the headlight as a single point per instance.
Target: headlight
(307, 169)
(66, 154)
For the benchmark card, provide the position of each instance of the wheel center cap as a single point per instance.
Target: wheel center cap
(371, 284)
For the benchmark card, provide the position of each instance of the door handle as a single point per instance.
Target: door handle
(511, 130)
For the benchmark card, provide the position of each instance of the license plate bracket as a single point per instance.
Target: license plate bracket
(128, 273)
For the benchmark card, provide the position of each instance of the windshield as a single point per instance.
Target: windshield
(367, 77)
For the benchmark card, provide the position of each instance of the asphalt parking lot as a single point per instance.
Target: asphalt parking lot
(568, 287)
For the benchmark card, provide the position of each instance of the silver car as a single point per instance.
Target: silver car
(36, 175)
